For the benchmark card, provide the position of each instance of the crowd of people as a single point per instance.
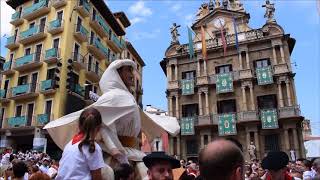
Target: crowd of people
(100, 142)
(29, 165)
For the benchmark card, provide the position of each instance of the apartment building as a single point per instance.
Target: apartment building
(57, 52)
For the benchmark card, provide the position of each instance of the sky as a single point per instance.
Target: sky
(150, 34)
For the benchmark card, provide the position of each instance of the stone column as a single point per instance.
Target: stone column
(247, 59)
(183, 148)
(176, 72)
(200, 104)
(178, 146)
(286, 140)
(202, 141)
(244, 98)
(240, 61)
(252, 97)
(209, 137)
(288, 92)
(205, 67)
(170, 106)
(274, 55)
(169, 72)
(257, 143)
(282, 55)
(296, 142)
(198, 69)
(171, 145)
(280, 94)
(177, 107)
(302, 148)
(207, 102)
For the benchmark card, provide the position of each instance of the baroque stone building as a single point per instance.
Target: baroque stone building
(247, 92)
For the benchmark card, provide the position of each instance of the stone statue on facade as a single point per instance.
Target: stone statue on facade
(211, 5)
(174, 33)
(270, 9)
(225, 4)
(216, 3)
(236, 5)
(252, 151)
(203, 11)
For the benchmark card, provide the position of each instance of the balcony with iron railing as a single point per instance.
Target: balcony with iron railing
(78, 90)
(12, 42)
(81, 33)
(16, 19)
(245, 74)
(52, 55)
(289, 112)
(78, 61)
(36, 10)
(99, 25)
(97, 48)
(7, 68)
(58, 3)
(248, 116)
(18, 121)
(230, 40)
(234, 75)
(28, 62)
(4, 96)
(47, 86)
(115, 43)
(173, 84)
(55, 26)
(33, 34)
(93, 72)
(24, 91)
(43, 119)
(83, 8)
(279, 69)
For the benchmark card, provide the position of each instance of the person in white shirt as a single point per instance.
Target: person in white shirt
(304, 166)
(45, 165)
(82, 157)
(5, 161)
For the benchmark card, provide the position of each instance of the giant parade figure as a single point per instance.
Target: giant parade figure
(122, 118)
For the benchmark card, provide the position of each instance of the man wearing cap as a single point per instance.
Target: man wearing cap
(160, 166)
(276, 163)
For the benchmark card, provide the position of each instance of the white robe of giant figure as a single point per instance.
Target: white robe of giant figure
(122, 118)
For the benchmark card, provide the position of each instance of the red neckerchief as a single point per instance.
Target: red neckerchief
(54, 167)
(287, 177)
(78, 137)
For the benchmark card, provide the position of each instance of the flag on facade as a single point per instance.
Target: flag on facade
(191, 50)
(203, 42)
(236, 34)
(223, 39)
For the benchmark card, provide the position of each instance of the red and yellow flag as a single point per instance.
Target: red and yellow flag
(204, 44)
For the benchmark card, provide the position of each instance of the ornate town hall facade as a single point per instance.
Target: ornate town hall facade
(240, 85)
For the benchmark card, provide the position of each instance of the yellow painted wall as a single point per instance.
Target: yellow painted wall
(67, 42)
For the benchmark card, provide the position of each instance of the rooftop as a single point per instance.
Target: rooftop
(135, 53)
